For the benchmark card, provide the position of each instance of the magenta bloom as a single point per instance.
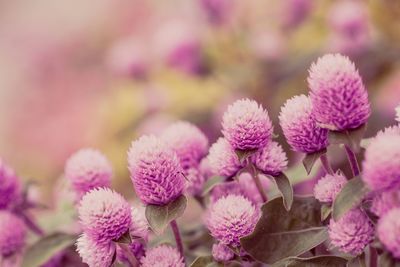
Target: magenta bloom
(223, 159)
(271, 159)
(155, 171)
(162, 256)
(188, 141)
(95, 254)
(338, 95)
(300, 127)
(329, 186)
(231, 218)
(381, 164)
(222, 253)
(217, 11)
(88, 169)
(351, 233)
(10, 187)
(388, 231)
(246, 125)
(12, 234)
(104, 215)
(385, 201)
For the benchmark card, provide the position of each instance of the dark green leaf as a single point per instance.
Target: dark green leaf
(44, 249)
(325, 211)
(211, 183)
(351, 138)
(205, 261)
(125, 238)
(160, 216)
(349, 197)
(285, 188)
(318, 261)
(310, 159)
(244, 154)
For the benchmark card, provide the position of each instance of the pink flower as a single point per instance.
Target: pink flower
(388, 231)
(385, 201)
(162, 256)
(222, 253)
(329, 186)
(12, 234)
(270, 159)
(95, 254)
(10, 186)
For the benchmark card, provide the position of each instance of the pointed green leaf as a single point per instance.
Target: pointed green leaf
(310, 159)
(160, 216)
(351, 138)
(45, 248)
(125, 238)
(349, 197)
(211, 183)
(244, 154)
(318, 261)
(202, 261)
(325, 211)
(285, 188)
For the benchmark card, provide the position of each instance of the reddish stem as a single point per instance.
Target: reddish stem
(178, 239)
(353, 161)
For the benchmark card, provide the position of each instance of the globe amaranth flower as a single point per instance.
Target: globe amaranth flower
(388, 231)
(390, 130)
(246, 125)
(231, 218)
(339, 98)
(270, 159)
(12, 234)
(381, 169)
(88, 169)
(188, 141)
(385, 201)
(162, 256)
(95, 254)
(155, 171)
(10, 186)
(351, 233)
(329, 186)
(300, 127)
(104, 215)
(222, 253)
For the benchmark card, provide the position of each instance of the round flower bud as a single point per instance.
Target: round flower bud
(246, 125)
(388, 231)
(104, 215)
(381, 164)
(351, 233)
(222, 253)
(231, 218)
(155, 171)
(300, 127)
(10, 187)
(329, 186)
(338, 95)
(188, 141)
(270, 159)
(385, 201)
(12, 234)
(88, 169)
(139, 225)
(162, 256)
(95, 254)
(223, 159)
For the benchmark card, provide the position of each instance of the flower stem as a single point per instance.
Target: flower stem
(373, 257)
(178, 239)
(129, 255)
(325, 164)
(257, 181)
(353, 161)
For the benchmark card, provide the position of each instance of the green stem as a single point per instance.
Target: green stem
(178, 239)
(353, 161)
(257, 181)
(325, 164)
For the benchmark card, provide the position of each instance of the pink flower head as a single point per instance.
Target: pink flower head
(381, 164)
(246, 125)
(351, 233)
(104, 215)
(139, 225)
(155, 171)
(385, 201)
(188, 141)
(329, 186)
(95, 254)
(398, 113)
(217, 11)
(300, 127)
(270, 159)
(162, 256)
(222, 253)
(390, 130)
(231, 218)
(223, 159)
(195, 181)
(10, 186)
(388, 231)
(88, 169)
(12, 234)
(295, 12)
(338, 95)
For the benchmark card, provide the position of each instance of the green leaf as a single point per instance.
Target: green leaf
(160, 216)
(351, 138)
(211, 183)
(285, 188)
(125, 238)
(204, 261)
(386, 260)
(318, 261)
(310, 159)
(349, 197)
(280, 234)
(44, 249)
(326, 210)
(244, 154)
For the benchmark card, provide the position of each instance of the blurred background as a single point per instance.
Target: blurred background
(99, 73)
